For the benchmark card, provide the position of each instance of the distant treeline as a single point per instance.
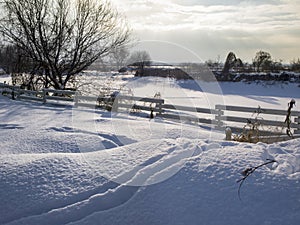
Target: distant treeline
(262, 68)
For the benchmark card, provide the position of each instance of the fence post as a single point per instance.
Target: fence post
(76, 99)
(115, 102)
(218, 116)
(44, 96)
(18, 92)
(13, 96)
(297, 121)
(159, 108)
(298, 130)
(1, 88)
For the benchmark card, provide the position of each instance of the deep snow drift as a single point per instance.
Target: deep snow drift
(64, 165)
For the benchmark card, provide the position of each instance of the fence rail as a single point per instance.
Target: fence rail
(217, 118)
(255, 110)
(270, 125)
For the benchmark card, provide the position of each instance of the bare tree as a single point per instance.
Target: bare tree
(295, 65)
(139, 59)
(262, 61)
(119, 56)
(12, 60)
(231, 62)
(63, 36)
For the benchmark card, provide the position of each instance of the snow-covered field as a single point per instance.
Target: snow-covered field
(64, 165)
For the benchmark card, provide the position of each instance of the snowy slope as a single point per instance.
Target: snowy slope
(64, 165)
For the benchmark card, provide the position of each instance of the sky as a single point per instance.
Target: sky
(193, 30)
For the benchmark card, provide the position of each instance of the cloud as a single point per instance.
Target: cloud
(244, 26)
(208, 44)
(170, 15)
(205, 2)
(222, 2)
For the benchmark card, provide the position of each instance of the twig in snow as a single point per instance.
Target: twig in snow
(247, 172)
(288, 118)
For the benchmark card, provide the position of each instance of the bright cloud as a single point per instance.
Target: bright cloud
(244, 26)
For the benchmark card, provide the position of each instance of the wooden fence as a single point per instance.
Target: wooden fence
(271, 121)
(42, 96)
(119, 102)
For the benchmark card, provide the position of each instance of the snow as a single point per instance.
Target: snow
(65, 165)
(5, 78)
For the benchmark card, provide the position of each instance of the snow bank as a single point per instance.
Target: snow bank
(61, 165)
(60, 189)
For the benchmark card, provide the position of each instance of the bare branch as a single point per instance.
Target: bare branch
(63, 37)
(247, 172)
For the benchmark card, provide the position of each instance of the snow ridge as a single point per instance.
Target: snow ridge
(112, 194)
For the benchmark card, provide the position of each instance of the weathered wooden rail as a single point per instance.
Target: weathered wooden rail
(250, 115)
(271, 121)
(42, 96)
(189, 114)
(119, 102)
